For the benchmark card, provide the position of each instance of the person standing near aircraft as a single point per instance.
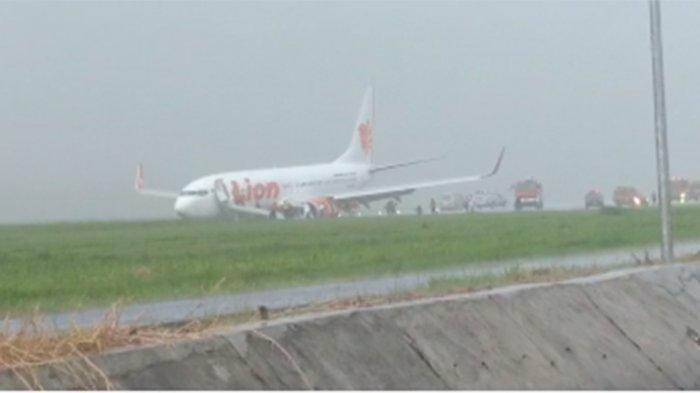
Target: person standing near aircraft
(433, 206)
(390, 207)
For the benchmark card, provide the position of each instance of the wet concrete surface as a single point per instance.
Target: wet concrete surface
(627, 329)
(175, 311)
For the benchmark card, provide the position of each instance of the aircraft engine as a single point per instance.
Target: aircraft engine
(320, 207)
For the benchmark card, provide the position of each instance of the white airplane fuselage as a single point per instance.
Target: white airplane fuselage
(269, 188)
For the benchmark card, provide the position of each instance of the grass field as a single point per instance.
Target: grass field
(66, 266)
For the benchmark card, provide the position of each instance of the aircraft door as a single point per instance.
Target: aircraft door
(221, 193)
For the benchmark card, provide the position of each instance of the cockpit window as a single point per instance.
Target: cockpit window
(194, 193)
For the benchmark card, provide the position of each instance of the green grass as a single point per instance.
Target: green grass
(65, 266)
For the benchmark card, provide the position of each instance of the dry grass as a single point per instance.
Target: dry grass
(35, 343)
(142, 272)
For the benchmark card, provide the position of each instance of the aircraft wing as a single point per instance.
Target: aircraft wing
(370, 195)
(380, 168)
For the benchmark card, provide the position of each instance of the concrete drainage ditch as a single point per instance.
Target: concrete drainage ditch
(631, 329)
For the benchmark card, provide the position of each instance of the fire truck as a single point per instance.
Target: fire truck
(626, 196)
(528, 193)
(694, 192)
(680, 189)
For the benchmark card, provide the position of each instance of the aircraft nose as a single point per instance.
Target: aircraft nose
(181, 207)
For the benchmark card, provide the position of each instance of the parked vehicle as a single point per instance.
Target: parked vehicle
(487, 200)
(528, 193)
(680, 189)
(626, 196)
(694, 192)
(452, 202)
(594, 199)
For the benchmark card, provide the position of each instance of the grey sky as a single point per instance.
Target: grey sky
(90, 89)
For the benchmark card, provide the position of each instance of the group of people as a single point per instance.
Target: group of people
(391, 207)
(433, 208)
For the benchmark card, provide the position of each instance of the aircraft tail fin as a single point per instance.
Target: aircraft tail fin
(139, 180)
(361, 145)
(139, 185)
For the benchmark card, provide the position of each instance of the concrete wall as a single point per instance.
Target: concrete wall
(636, 329)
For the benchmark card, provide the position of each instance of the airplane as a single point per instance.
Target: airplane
(319, 190)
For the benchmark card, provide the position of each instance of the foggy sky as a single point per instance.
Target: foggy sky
(88, 90)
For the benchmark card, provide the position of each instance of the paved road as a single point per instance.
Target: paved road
(174, 311)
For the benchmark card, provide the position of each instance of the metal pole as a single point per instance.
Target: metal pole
(662, 168)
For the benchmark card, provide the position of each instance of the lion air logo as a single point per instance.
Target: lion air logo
(365, 130)
(254, 192)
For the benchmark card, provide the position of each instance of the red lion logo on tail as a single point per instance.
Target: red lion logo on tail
(365, 130)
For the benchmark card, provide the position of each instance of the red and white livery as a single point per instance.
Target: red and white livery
(300, 191)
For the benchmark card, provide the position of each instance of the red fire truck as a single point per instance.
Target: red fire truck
(629, 197)
(528, 193)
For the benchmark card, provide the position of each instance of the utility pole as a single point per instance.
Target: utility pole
(662, 169)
